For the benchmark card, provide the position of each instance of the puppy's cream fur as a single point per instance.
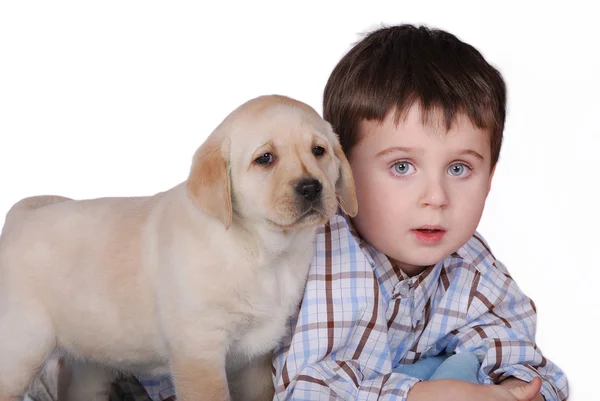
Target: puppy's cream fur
(197, 280)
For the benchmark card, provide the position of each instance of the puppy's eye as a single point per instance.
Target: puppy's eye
(318, 151)
(267, 158)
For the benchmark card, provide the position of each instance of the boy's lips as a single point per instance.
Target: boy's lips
(429, 234)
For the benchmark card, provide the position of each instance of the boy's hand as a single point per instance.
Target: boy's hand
(521, 390)
(455, 389)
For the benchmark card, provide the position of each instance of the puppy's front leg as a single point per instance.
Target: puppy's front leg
(253, 382)
(199, 380)
(199, 372)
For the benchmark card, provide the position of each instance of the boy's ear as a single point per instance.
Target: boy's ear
(345, 183)
(208, 182)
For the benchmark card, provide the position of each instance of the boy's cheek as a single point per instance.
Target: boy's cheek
(362, 178)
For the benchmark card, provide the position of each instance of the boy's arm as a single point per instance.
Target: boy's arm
(501, 330)
(338, 346)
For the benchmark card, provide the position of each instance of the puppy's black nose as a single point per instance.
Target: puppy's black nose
(309, 188)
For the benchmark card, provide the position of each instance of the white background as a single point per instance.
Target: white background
(112, 98)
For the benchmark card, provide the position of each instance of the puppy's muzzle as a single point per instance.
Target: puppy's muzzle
(309, 190)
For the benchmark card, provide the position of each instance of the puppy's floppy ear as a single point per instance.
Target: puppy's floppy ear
(345, 183)
(208, 183)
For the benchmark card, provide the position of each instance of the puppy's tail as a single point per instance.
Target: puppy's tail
(31, 203)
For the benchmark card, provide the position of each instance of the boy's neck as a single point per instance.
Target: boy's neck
(408, 270)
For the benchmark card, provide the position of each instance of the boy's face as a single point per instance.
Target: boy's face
(421, 190)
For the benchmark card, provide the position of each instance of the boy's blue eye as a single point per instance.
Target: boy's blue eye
(458, 170)
(403, 168)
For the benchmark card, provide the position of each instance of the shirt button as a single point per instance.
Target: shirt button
(404, 289)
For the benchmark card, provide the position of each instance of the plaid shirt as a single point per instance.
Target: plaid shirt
(361, 317)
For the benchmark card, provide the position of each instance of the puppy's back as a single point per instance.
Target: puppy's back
(80, 261)
(92, 243)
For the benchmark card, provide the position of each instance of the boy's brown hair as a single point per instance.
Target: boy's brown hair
(394, 67)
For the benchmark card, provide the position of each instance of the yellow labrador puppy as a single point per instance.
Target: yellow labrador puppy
(197, 280)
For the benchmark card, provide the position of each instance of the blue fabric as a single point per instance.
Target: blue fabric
(462, 366)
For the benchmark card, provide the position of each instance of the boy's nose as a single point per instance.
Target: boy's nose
(434, 194)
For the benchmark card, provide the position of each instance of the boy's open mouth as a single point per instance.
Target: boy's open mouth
(429, 229)
(429, 234)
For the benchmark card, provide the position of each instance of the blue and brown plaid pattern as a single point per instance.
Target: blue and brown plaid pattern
(361, 317)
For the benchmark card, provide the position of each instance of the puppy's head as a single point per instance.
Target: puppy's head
(272, 160)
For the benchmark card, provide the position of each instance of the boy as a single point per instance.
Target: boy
(420, 115)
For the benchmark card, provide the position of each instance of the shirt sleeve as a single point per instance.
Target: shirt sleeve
(501, 331)
(343, 380)
(337, 347)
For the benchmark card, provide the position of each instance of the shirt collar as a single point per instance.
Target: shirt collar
(423, 285)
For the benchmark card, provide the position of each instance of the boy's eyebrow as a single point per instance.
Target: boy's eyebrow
(398, 149)
(472, 153)
(414, 150)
